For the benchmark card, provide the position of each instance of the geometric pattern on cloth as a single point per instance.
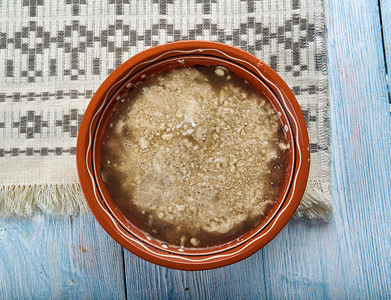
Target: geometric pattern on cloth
(56, 54)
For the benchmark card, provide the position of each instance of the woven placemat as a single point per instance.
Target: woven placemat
(56, 53)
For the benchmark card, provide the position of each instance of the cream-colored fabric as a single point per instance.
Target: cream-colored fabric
(56, 53)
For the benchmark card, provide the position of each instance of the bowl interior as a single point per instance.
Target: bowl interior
(127, 82)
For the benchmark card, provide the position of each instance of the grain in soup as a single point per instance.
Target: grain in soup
(194, 157)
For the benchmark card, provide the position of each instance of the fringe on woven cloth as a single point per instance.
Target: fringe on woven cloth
(315, 205)
(56, 199)
(68, 199)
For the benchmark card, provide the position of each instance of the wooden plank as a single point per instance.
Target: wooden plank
(386, 20)
(49, 257)
(349, 258)
(243, 280)
(296, 262)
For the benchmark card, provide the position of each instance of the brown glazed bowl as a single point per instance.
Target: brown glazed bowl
(174, 55)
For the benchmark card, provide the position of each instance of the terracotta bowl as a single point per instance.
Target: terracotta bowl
(174, 55)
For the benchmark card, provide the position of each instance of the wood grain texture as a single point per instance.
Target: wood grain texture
(243, 280)
(350, 257)
(386, 20)
(59, 258)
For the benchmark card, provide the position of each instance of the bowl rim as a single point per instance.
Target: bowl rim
(161, 256)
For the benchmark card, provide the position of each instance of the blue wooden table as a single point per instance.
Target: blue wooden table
(350, 257)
